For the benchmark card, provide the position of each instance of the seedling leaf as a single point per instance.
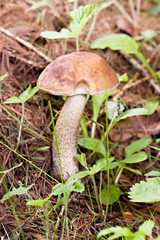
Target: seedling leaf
(79, 17)
(153, 173)
(114, 194)
(27, 94)
(116, 42)
(151, 107)
(136, 146)
(12, 100)
(117, 232)
(38, 202)
(16, 191)
(147, 227)
(64, 33)
(148, 191)
(82, 159)
(92, 144)
(134, 158)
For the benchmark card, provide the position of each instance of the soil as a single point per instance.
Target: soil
(23, 55)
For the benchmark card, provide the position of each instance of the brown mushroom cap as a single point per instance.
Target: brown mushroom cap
(77, 73)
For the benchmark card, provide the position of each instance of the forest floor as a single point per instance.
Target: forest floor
(23, 55)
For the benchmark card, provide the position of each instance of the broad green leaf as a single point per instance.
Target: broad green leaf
(97, 101)
(151, 107)
(112, 165)
(28, 93)
(117, 232)
(3, 76)
(134, 158)
(16, 191)
(67, 187)
(130, 113)
(92, 144)
(38, 202)
(136, 146)
(148, 191)
(79, 17)
(153, 173)
(147, 227)
(79, 187)
(12, 100)
(114, 194)
(64, 33)
(116, 42)
(23, 96)
(93, 170)
(82, 159)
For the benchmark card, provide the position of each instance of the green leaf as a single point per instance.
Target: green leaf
(67, 187)
(16, 191)
(134, 158)
(130, 113)
(79, 187)
(112, 165)
(137, 145)
(151, 107)
(38, 202)
(12, 100)
(92, 144)
(114, 194)
(112, 110)
(3, 76)
(79, 17)
(148, 191)
(153, 173)
(97, 101)
(116, 42)
(93, 170)
(147, 227)
(123, 77)
(27, 94)
(82, 159)
(117, 232)
(64, 33)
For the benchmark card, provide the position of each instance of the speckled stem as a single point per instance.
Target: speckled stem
(66, 130)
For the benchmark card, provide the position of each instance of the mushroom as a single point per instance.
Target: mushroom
(74, 75)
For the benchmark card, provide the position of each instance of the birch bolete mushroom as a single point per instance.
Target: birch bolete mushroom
(74, 75)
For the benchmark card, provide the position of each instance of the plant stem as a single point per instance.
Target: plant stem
(96, 194)
(20, 127)
(144, 61)
(107, 155)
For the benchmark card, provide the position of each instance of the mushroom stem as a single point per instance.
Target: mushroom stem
(66, 130)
